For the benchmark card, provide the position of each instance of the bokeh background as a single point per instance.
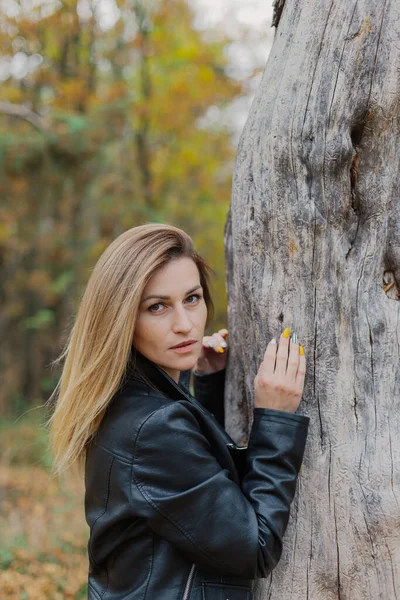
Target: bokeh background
(112, 114)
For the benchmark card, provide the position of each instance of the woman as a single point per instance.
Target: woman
(176, 510)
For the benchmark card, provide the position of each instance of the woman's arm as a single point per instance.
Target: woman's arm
(209, 391)
(209, 374)
(188, 499)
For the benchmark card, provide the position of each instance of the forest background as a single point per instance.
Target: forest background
(111, 115)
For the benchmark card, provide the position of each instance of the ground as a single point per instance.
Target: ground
(43, 533)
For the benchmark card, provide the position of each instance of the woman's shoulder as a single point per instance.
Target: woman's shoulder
(135, 407)
(127, 411)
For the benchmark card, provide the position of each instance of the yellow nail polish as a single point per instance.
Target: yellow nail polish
(220, 349)
(286, 332)
(301, 350)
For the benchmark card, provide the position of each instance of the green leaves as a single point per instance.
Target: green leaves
(40, 320)
(126, 145)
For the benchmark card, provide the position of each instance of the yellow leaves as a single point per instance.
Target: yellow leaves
(44, 534)
(37, 279)
(179, 87)
(68, 19)
(5, 232)
(206, 75)
(19, 185)
(187, 53)
(12, 93)
(43, 580)
(190, 156)
(116, 91)
(98, 248)
(128, 145)
(71, 93)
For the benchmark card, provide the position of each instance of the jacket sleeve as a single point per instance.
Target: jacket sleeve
(188, 499)
(209, 391)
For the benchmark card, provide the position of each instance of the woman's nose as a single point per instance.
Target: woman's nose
(182, 321)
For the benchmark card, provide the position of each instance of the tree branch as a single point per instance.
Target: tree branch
(23, 112)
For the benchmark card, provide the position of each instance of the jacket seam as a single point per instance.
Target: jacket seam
(95, 521)
(151, 566)
(140, 485)
(125, 460)
(122, 459)
(152, 540)
(93, 589)
(178, 526)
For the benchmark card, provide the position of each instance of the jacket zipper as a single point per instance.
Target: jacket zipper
(186, 593)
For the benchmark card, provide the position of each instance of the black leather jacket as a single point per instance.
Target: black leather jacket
(175, 510)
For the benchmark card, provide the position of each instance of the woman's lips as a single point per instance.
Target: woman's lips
(184, 349)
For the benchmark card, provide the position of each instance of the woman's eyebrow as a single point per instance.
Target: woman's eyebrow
(169, 297)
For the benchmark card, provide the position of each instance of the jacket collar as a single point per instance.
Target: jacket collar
(146, 371)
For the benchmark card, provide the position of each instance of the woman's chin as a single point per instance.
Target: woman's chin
(183, 363)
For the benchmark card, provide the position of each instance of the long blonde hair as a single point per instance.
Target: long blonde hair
(100, 342)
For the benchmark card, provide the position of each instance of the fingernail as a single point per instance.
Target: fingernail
(224, 332)
(286, 332)
(220, 350)
(301, 350)
(273, 341)
(294, 337)
(223, 344)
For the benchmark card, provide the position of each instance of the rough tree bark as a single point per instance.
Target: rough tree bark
(313, 242)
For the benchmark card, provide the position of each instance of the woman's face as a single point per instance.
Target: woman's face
(175, 313)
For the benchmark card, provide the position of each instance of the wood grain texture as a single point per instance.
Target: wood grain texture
(313, 242)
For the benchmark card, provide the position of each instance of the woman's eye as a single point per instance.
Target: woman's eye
(154, 306)
(196, 296)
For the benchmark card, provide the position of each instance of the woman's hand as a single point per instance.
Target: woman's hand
(214, 353)
(279, 381)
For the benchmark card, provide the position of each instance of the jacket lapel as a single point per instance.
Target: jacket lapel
(147, 371)
(151, 373)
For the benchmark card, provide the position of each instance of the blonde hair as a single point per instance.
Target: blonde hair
(100, 342)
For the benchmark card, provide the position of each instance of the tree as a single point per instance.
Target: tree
(313, 242)
(107, 131)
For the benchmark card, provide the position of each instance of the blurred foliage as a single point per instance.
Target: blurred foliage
(23, 441)
(43, 530)
(111, 134)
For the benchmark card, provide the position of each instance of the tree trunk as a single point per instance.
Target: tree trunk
(313, 242)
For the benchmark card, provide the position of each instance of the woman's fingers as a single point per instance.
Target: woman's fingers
(301, 372)
(281, 387)
(282, 354)
(221, 338)
(216, 341)
(283, 361)
(267, 366)
(293, 361)
(207, 341)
